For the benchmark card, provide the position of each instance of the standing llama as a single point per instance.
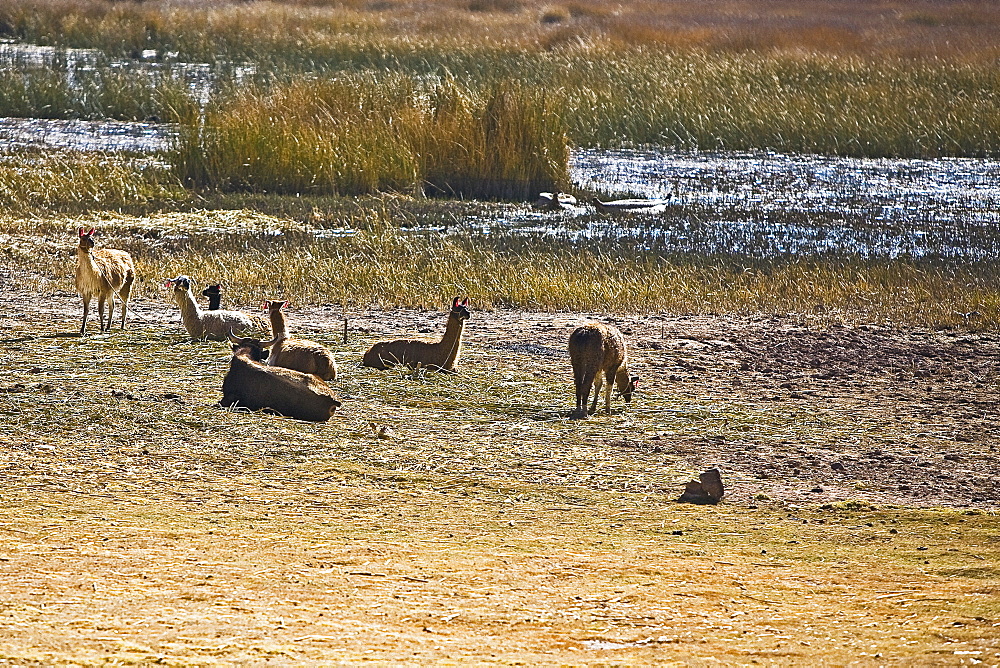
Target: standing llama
(598, 353)
(104, 274)
(436, 356)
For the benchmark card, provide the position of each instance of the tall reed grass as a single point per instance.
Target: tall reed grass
(364, 133)
(632, 74)
(791, 103)
(94, 93)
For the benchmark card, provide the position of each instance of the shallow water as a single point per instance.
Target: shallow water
(84, 135)
(756, 205)
(769, 204)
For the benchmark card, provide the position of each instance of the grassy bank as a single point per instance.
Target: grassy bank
(366, 259)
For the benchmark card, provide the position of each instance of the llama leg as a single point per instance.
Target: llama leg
(607, 390)
(598, 382)
(582, 395)
(86, 312)
(100, 311)
(125, 292)
(111, 310)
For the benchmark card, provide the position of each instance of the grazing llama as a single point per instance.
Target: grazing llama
(104, 274)
(598, 353)
(436, 356)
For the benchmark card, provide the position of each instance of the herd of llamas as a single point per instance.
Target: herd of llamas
(288, 375)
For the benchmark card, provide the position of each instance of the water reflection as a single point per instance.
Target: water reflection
(767, 204)
(754, 205)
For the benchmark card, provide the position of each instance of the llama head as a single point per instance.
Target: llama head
(460, 308)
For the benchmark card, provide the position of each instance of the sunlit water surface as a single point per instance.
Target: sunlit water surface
(757, 205)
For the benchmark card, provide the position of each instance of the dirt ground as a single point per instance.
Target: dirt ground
(924, 403)
(858, 526)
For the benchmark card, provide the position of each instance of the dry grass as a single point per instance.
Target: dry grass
(143, 525)
(358, 256)
(361, 134)
(829, 77)
(318, 30)
(38, 181)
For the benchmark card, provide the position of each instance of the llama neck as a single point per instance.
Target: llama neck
(86, 260)
(278, 326)
(451, 342)
(214, 302)
(622, 377)
(190, 313)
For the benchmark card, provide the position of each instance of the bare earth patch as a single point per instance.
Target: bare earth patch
(141, 524)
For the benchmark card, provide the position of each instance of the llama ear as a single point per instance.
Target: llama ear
(81, 232)
(92, 231)
(454, 302)
(465, 302)
(287, 303)
(265, 306)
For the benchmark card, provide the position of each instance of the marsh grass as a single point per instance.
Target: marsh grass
(368, 260)
(641, 75)
(77, 181)
(365, 133)
(94, 92)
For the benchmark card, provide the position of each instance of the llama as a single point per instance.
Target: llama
(436, 356)
(214, 325)
(598, 353)
(293, 352)
(214, 294)
(251, 384)
(105, 274)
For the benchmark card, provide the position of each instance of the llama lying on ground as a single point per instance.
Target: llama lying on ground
(215, 325)
(214, 294)
(250, 384)
(436, 356)
(104, 274)
(598, 353)
(292, 352)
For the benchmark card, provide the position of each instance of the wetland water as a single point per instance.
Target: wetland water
(755, 205)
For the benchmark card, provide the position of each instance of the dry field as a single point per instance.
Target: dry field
(141, 524)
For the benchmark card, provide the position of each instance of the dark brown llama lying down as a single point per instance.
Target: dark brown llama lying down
(434, 355)
(256, 386)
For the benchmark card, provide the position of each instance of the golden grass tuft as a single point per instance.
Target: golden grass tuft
(363, 133)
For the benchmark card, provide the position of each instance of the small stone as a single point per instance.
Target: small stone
(707, 490)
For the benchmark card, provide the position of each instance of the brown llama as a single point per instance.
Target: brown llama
(293, 352)
(434, 355)
(104, 274)
(598, 353)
